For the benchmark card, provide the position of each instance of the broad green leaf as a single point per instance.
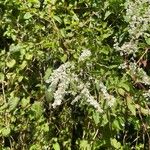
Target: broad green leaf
(34, 1)
(57, 18)
(23, 65)
(56, 146)
(107, 14)
(147, 41)
(20, 78)
(64, 58)
(37, 109)
(35, 147)
(131, 106)
(104, 120)
(1, 76)
(96, 117)
(25, 101)
(47, 73)
(49, 95)
(121, 91)
(11, 63)
(115, 143)
(46, 127)
(84, 145)
(29, 56)
(13, 102)
(116, 124)
(5, 131)
(125, 86)
(27, 16)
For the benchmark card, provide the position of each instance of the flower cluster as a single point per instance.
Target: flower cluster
(138, 18)
(147, 95)
(84, 55)
(127, 47)
(138, 14)
(60, 84)
(110, 98)
(85, 94)
(141, 75)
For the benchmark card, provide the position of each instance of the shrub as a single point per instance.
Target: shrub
(74, 74)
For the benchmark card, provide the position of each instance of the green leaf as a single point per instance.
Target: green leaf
(115, 143)
(131, 106)
(147, 41)
(116, 124)
(5, 131)
(1, 77)
(20, 78)
(107, 14)
(84, 145)
(56, 146)
(64, 58)
(57, 19)
(27, 16)
(96, 117)
(13, 102)
(29, 56)
(23, 65)
(37, 109)
(11, 63)
(121, 91)
(125, 86)
(105, 120)
(25, 102)
(47, 73)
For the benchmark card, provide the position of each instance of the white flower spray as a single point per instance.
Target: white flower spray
(85, 55)
(60, 82)
(138, 18)
(110, 98)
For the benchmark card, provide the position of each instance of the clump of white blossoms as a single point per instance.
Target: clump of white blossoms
(84, 55)
(60, 84)
(138, 18)
(147, 95)
(85, 94)
(141, 75)
(110, 98)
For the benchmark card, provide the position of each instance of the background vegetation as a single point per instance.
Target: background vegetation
(74, 74)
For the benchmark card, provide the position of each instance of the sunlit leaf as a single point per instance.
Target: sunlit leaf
(11, 63)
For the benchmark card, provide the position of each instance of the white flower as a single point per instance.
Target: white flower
(90, 99)
(138, 18)
(84, 55)
(147, 95)
(77, 98)
(60, 80)
(111, 101)
(110, 98)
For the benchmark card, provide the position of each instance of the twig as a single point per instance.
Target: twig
(95, 134)
(142, 55)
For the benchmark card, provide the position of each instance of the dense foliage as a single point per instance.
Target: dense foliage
(74, 74)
